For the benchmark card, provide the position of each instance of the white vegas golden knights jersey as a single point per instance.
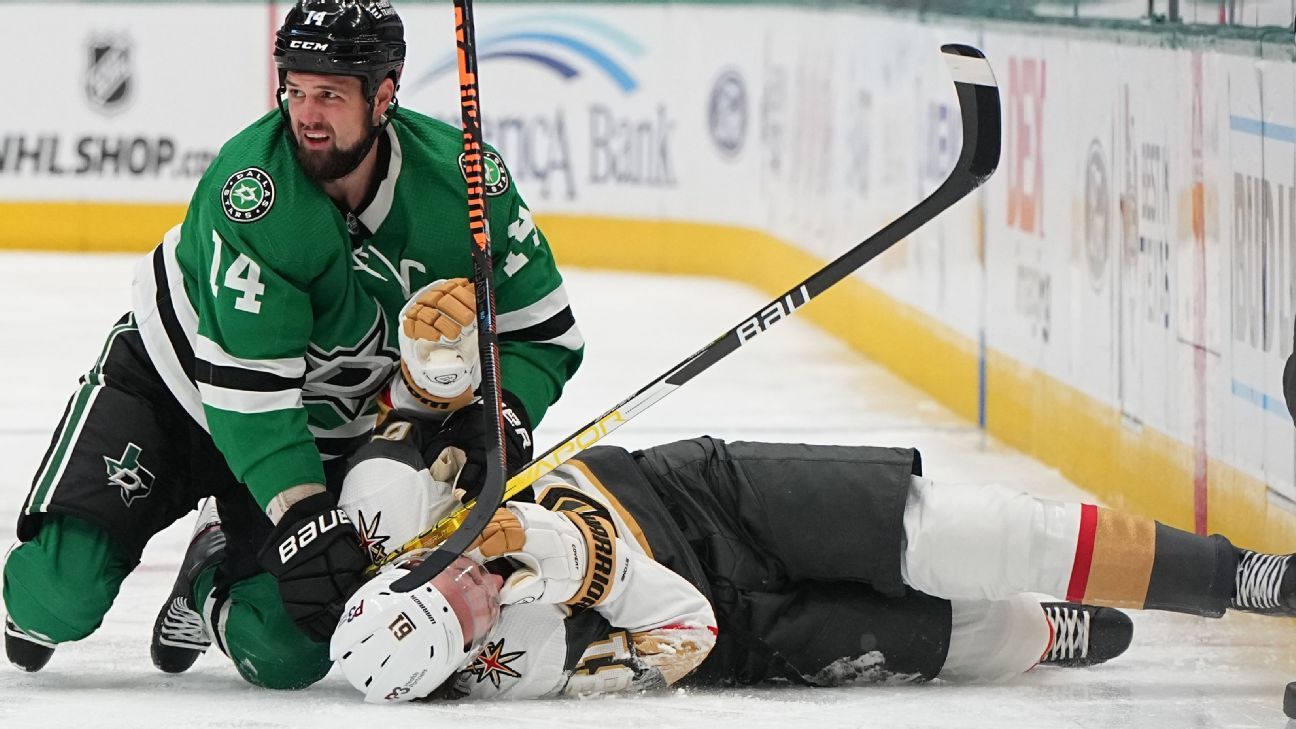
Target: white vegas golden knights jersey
(656, 628)
(653, 633)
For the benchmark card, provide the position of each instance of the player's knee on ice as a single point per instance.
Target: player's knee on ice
(265, 645)
(60, 584)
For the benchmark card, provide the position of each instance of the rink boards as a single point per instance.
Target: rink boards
(1118, 300)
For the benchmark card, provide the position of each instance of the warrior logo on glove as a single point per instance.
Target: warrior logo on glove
(602, 556)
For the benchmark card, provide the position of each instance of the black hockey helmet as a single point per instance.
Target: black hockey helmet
(361, 38)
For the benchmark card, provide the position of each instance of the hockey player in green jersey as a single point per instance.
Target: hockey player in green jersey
(261, 334)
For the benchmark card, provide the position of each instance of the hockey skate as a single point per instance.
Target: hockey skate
(25, 650)
(179, 635)
(1084, 635)
(1265, 584)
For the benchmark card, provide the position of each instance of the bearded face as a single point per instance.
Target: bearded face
(331, 123)
(330, 161)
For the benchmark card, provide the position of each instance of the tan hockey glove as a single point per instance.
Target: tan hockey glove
(438, 344)
(567, 557)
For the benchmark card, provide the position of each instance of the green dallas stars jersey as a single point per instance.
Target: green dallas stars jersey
(271, 315)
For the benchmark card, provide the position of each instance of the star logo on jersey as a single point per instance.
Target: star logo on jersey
(495, 176)
(247, 195)
(373, 542)
(348, 378)
(493, 663)
(126, 473)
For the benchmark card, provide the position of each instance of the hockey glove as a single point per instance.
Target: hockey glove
(315, 554)
(565, 556)
(464, 429)
(438, 343)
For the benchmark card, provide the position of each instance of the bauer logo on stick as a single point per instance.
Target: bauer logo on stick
(247, 195)
(779, 309)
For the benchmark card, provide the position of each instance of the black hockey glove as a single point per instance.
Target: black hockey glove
(315, 554)
(465, 429)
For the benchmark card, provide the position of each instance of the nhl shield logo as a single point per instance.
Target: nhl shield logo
(108, 77)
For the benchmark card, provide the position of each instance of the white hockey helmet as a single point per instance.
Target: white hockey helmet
(397, 646)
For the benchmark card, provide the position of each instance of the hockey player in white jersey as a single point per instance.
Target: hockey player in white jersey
(716, 563)
(589, 610)
(705, 562)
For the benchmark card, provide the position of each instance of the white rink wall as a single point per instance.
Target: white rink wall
(1135, 252)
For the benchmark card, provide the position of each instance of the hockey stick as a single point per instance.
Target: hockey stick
(479, 513)
(978, 98)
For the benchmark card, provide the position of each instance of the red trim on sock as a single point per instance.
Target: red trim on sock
(1084, 553)
(1052, 634)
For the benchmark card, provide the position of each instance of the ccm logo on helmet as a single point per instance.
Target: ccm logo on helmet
(309, 532)
(308, 45)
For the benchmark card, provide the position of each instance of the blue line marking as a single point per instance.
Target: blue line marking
(1275, 405)
(1261, 128)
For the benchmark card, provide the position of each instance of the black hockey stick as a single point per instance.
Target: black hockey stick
(978, 98)
(492, 493)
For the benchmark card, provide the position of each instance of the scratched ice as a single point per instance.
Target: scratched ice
(793, 383)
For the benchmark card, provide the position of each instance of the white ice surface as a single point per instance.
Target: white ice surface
(793, 384)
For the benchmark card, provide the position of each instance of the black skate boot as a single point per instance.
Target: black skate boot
(25, 650)
(1265, 584)
(179, 635)
(1084, 635)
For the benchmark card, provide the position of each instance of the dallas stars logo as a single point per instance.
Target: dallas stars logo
(373, 542)
(134, 480)
(347, 378)
(247, 195)
(495, 176)
(493, 663)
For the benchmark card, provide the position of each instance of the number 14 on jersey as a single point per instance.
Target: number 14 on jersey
(243, 275)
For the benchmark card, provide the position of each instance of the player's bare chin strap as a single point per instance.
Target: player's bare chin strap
(991, 542)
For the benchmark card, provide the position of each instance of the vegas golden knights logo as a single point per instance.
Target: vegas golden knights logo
(127, 474)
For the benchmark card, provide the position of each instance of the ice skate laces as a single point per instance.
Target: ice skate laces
(1070, 633)
(1259, 577)
(183, 627)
